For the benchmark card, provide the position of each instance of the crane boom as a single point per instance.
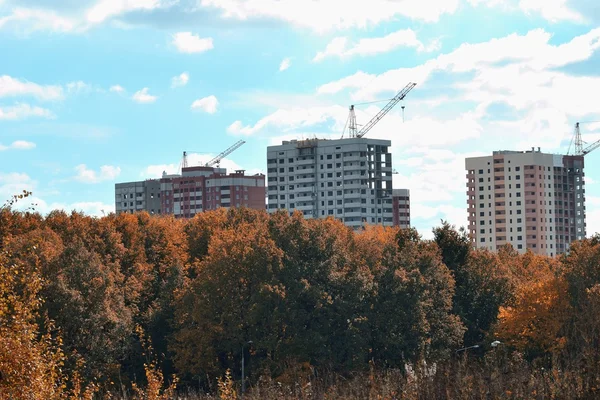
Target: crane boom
(579, 143)
(224, 154)
(395, 100)
(590, 148)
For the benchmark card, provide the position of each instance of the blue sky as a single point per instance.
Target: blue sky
(94, 92)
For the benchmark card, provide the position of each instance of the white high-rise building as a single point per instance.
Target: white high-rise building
(348, 179)
(530, 199)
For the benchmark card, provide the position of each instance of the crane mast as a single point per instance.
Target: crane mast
(579, 149)
(369, 125)
(224, 154)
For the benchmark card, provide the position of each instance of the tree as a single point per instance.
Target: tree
(30, 360)
(411, 314)
(229, 301)
(483, 283)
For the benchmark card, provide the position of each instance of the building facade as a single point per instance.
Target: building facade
(138, 196)
(401, 208)
(201, 189)
(348, 179)
(530, 199)
(197, 189)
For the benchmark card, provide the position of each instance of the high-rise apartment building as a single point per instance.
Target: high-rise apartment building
(530, 199)
(401, 208)
(349, 179)
(138, 196)
(197, 189)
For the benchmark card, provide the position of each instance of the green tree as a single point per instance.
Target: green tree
(483, 282)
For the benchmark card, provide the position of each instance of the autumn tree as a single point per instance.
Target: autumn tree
(231, 298)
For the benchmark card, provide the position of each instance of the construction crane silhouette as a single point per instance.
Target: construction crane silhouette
(580, 150)
(217, 160)
(352, 126)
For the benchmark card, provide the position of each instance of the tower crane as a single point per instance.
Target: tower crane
(217, 160)
(580, 150)
(353, 130)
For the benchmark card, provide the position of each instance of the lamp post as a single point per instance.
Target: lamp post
(467, 348)
(243, 373)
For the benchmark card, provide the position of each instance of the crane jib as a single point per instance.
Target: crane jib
(401, 95)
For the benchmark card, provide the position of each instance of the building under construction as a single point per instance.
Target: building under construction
(349, 178)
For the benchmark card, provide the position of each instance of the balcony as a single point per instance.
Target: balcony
(305, 162)
(305, 180)
(354, 159)
(354, 186)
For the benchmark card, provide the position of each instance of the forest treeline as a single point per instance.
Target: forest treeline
(93, 307)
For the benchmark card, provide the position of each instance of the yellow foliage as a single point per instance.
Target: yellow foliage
(226, 387)
(536, 319)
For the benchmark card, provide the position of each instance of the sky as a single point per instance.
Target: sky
(95, 92)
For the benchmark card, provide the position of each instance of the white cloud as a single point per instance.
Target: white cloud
(18, 145)
(518, 69)
(339, 47)
(106, 9)
(22, 111)
(285, 64)
(106, 173)
(207, 104)
(293, 118)
(38, 20)
(142, 96)
(14, 183)
(552, 10)
(180, 80)
(117, 89)
(78, 87)
(593, 214)
(325, 15)
(186, 42)
(13, 87)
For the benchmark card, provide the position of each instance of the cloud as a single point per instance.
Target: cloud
(18, 145)
(186, 42)
(207, 104)
(339, 46)
(13, 87)
(326, 15)
(293, 118)
(552, 10)
(142, 96)
(106, 9)
(180, 80)
(106, 173)
(285, 64)
(78, 87)
(21, 111)
(117, 89)
(518, 69)
(38, 20)
(14, 183)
